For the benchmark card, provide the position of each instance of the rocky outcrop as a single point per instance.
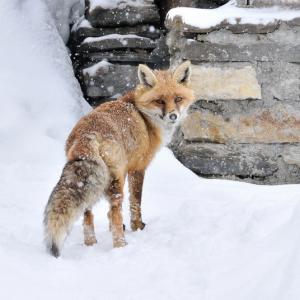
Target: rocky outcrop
(246, 122)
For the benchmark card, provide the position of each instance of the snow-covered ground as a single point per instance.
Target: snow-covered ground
(204, 239)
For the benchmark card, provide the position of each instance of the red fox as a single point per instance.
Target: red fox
(117, 139)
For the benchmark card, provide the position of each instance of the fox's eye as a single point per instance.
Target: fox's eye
(178, 99)
(159, 101)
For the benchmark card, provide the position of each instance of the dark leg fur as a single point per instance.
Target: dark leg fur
(115, 194)
(136, 180)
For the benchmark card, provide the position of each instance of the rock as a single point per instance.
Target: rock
(268, 3)
(160, 55)
(106, 80)
(294, 22)
(258, 163)
(116, 41)
(284, 34)
(196, 51)
(277, 125)
(228, 161)
(127, 16)
(291, 155)
(127, 56)
(238, 27)
(214, 83)
(144, 30)
(280, 80)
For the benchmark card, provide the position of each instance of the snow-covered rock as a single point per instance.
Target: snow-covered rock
(110, 4)
(65, 13)
(206, 20)
(103, 13)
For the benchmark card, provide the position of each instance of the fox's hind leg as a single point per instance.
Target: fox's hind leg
(89, 228)
(115, 195)
(135, 180)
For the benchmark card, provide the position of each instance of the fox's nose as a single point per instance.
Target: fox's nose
(173, 117)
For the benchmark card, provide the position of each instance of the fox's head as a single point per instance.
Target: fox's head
(164, 96)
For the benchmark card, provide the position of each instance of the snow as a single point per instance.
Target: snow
(38, 90)
(92, 71)
(65, 13)
(204, 239)
(113, 36)
(207, 18)
(82, 22)
(110, 4)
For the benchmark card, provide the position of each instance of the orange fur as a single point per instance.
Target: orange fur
(124, 135)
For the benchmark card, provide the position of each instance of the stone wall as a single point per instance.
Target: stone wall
(107, 44)
(246, 122)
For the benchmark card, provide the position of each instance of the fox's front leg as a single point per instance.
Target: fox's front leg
(136, 179)
(89, 228)
(115, 194)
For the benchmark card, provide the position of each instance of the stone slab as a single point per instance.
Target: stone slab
(144, 30)
(279, 124)
(215, 83)
(255, 163)
(112, 42)
(280, 80)
(128, 16)
(110, 80)
(235, 28)
(284, 35)
(213, 52)
(291, 155)
(215, 160)
(134, 57)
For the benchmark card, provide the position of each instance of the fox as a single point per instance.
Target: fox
(115, 141)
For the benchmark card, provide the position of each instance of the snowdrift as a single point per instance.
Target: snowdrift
(204, 239)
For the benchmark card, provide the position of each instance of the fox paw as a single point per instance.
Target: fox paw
(135, 225)
(90, 241)
(119, 243)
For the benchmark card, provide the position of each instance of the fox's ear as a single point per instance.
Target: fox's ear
(146, 76)
(183, 73)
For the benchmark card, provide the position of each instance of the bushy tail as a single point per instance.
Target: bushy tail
(81, 184)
